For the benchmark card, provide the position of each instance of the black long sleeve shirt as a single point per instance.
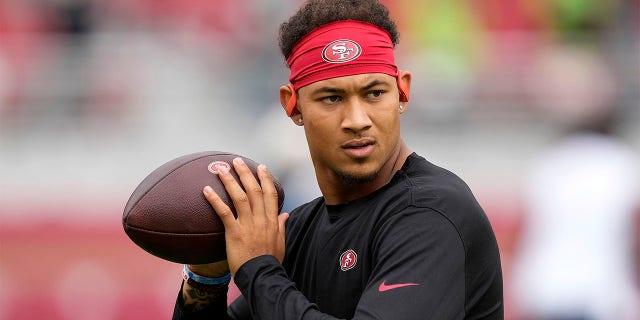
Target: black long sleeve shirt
(418, 248)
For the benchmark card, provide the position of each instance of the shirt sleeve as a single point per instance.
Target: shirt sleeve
(270, 294)
(418, 274)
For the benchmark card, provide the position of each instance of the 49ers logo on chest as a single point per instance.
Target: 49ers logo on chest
(348, 260)
(340, 51)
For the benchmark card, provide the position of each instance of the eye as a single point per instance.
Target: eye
(331, 99)
(375, 94)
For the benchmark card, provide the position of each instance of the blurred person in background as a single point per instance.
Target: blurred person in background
(576, 259)
(392, 237)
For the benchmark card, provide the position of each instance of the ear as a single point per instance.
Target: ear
(288, 100)
(404, 85)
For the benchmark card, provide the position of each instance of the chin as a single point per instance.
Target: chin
(350, 178)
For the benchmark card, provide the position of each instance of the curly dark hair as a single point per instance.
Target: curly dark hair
(316, 13)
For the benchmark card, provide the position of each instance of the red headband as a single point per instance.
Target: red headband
(339, 49)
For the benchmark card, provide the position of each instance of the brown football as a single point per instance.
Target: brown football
(168, 216)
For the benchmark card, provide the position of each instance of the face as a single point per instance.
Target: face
(352, 125)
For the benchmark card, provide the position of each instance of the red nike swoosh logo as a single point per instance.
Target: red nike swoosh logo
(386, 287)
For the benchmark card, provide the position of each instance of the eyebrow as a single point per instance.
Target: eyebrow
(370, 85)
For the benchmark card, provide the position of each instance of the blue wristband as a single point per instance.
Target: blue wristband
(187, 274)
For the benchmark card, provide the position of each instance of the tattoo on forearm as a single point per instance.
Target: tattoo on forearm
(196, 299)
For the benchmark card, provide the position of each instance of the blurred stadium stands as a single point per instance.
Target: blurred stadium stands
(95, 94)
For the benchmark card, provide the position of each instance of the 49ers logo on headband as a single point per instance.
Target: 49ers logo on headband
(341, 51)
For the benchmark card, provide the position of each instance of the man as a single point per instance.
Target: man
(392, 237)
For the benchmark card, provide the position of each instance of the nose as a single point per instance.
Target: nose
(355, 116)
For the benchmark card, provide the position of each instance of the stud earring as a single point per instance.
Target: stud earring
(300, 120)
(401, 106)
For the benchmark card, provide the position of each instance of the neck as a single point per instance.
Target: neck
(336, 191)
